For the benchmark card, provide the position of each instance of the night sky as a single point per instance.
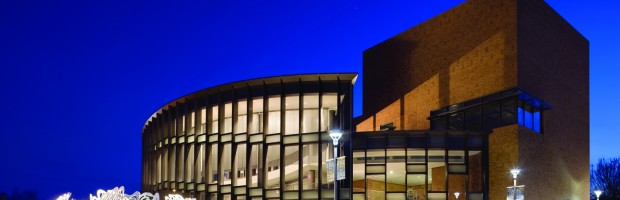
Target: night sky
(79, 78)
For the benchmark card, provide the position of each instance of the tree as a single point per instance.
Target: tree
(606, 177)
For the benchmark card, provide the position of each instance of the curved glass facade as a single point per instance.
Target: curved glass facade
(262, 138)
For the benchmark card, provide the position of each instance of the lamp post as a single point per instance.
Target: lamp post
(456, 194)
(598, 193)
(514, 173)
(335, 135)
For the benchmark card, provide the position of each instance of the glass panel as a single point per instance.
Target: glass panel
(239, 165)
(214, 119)
(472, 120)
(199, 165)
(242, 116)
(329, 110)
(475, 171)
(256, 125)
(273, 167)
(375, 188)
(491, 117)
(436, 170)
(375, 156)
(416, 186)
(226, 164)
(189, 164)
(256, 168)
(436, 196)
(456, 121)
(359, 171)
(537, 119)
(192, 123)
(416, 156)
(228, 118)
(310, 119)
(396, 170)
(509, 112)
(396, 196)
(180, 162)
(292, 115)
(456, 157)
(291, 167)
(327, 152)
(212, 163)
(203, 120)
(273, 125)
(310, 157)
(173, 166)
(456, 183)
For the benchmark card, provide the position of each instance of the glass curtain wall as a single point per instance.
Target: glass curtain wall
(418, 165)
(223, 145)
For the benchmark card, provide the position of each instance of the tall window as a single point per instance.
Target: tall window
(291, 167)
(256, 125)
(310, 158)
(228, 118)
(212, 163)
(310, 121)
(256, 165)
(226, 164)
(272, 166)
(214, 119)
(239, 168)
(329, 110)
(292, 115)
(199, 166)
(242, 116)
(203, 120)
(273, 125)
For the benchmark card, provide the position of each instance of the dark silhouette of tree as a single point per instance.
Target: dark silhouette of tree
(17, 195)
(606, 177)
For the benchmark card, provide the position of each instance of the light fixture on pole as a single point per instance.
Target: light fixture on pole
(515, 173)
(598, 193)
(456, 194)
(335, 135)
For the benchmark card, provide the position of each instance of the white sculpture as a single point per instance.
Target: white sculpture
(65, 196)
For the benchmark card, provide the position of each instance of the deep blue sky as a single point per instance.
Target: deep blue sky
(79, 78)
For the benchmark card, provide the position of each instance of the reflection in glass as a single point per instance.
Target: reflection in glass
(291, 167)
(292, 115)
(226, 175)
(310, 158)
(273, 123)
(212, 163)
(239, 171)
(272, 167)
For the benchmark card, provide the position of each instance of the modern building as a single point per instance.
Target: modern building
(451, 105)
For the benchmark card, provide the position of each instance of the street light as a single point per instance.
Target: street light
(598, 193)
(456, 194)
(335, 135)
(514, 173)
